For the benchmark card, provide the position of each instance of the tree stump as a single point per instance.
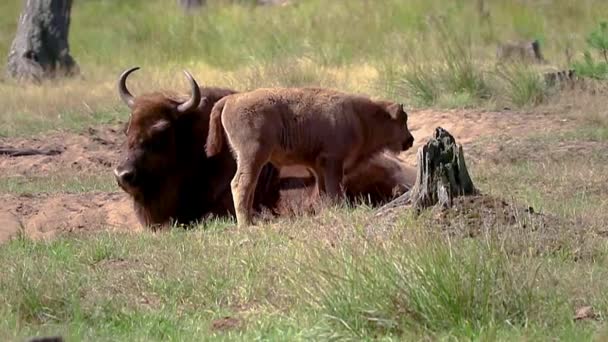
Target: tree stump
(442, 175)
(40, 49)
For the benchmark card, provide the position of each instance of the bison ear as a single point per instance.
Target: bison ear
(395, 110)
(402, 110)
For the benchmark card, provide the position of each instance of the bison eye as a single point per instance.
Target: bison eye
(157, 140)
(154, 145)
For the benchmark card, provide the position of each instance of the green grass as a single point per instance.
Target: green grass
(284, 285)
(344, 274)
(559, 172)
(24, 124)
(437, 53)
(152, 32)
(281, 284)
(59, 183)
(520, 86)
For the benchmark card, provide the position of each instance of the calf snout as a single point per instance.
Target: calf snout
(407, 143)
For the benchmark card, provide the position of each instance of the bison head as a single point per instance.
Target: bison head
(152, 134)
(398, 132)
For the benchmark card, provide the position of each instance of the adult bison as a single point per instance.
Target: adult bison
(165, 169)
(170, 179)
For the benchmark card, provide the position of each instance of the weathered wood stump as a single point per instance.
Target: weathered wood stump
(561, 78)
(442, 175)
(40, 48)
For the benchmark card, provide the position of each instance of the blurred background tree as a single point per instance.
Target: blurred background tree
(40, 48)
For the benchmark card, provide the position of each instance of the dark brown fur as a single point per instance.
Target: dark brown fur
(374, 182)
(181, 185)
(379, 180)
(184, 186)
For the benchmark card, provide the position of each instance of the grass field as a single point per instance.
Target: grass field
(343, 274)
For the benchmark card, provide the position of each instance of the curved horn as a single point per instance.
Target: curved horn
(125, 95)
(195, 97)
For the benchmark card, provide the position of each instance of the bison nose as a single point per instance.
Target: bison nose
(409, 142)
(124, 176)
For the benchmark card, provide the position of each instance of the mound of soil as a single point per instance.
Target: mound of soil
(521, 230)
(44, 216)
(474, 215)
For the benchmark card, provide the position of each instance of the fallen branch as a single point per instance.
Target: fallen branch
(22, 152)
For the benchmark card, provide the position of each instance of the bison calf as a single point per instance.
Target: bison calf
(325, 130)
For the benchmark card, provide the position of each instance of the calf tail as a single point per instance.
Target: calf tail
(215, 137)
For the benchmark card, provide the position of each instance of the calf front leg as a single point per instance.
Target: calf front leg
(243, 186)
(243, 189)
(239, 197)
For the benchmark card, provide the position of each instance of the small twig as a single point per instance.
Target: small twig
(22, 152)
(398, 202)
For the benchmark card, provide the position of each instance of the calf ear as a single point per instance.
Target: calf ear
(395, 110)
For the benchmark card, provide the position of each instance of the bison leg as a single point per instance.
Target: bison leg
(333, 172)
(319, 180)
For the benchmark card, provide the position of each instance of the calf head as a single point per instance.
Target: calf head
(395, 128)
(152, 137)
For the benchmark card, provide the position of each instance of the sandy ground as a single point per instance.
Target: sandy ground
(97, 150)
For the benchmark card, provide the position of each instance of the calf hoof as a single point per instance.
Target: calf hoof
(244, 223)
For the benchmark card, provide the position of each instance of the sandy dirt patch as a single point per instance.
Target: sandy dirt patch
(44, 216)
(469, 125)
(97, 150)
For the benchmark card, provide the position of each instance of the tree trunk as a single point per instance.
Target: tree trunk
(40, 48)
(442, 175)
(189, 5)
